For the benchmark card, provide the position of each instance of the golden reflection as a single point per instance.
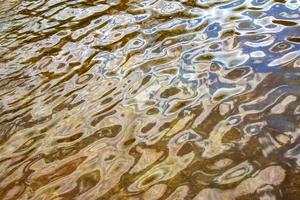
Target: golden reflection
(149, 100)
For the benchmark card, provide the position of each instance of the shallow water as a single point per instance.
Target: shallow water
(150, 99)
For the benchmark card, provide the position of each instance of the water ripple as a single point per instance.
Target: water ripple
(153, 99)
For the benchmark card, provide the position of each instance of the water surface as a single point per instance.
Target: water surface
(150, 99)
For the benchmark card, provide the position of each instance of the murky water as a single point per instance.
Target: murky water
(150, 99)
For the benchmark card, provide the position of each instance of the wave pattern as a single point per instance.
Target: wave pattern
(150, 99)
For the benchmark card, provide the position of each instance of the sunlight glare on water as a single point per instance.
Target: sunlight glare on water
(150, 99)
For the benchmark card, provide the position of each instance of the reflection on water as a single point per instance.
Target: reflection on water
(150, 99)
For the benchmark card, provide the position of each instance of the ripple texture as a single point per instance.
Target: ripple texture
(149, 99)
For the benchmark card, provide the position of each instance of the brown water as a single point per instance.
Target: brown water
(150, 99)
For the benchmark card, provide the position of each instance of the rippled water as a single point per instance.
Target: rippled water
(150, 99)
